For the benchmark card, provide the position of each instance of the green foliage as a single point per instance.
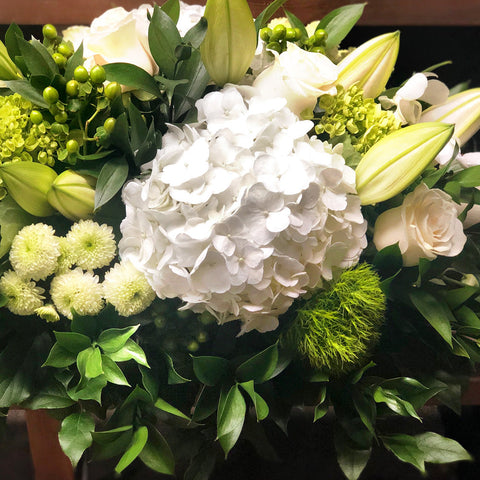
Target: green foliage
(75, 435)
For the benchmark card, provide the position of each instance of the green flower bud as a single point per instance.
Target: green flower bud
(278, 33)
(371, 64)
(61, 117)
(462, 109)
(97, 74)
(50, 95)
(290, 35)
(73, 195)
(393, 163)
(49, 31)
(320, 36)
(72, 146)
(265, 34)
(231, 40)
(65, 49)
(8, 69)
(28, 184)
(80, 74)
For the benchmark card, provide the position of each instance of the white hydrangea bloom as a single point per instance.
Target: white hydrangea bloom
(242, 212)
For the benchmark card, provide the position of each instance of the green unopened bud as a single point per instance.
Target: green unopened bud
(8, 70)
(393, 163)
(462, 109)
(73, 195)
(28, 184)
(371, 64)
(230, 43)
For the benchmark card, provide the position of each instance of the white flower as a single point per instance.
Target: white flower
(298, 76)
(417, 88)
(242, 212)
(190, 15)
(24, 297)
(425, 226)
(116, 36)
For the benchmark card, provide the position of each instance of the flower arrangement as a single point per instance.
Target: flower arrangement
(197, 237)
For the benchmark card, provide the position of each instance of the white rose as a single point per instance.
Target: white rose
(116, 36)
(298, 76)
(425, 226)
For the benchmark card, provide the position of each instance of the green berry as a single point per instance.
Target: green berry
(72, 88)
(320, 36)
(317, 50)
(113, 90)
(49, 31)
(265, 34)
(109, 124)
(278, 33)
(65, 49)
(59, 59)
(72, 146)
(61, 117)
(80, 74)
(50, 95)
(298, 34)
(36, 117)
(275, 46)
(291, 35)
(97, 74)
(193, 346)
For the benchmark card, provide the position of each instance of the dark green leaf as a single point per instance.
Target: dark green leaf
(260, 367)
(12, 219)
(166, 407)
(357, 376)
(11, 42)
(196, 34)
(73, 342)
(206, 404)
(108, 436)
(156, 454)
(435, 311)
(139, 395)
(139, 440)
(113, 372)
(132, 76)
(230, 419)
(263, 18)
(320, 411)
(458, 348)
(459, 296)
(468, 178)
(130, 351)
(37, 58)
(60, 357)
(339, 22)
(85, 325)
(395, 403)
(112, 443)
(388, 261)
(51, 395)
(75, 435)
(295, 22)
(111, 179)
(405, 448)
(318, 376)
(203, 463)
(438, 449)
(73, 62)
(120, 135)
(261, 407)
(138, 128)
(94, 156)
(210, 370)
(172, 9)
(149, 381)
(163, 38)
(23, 88)
(148, 149)
(89, 362)
(352, 461)
(113, 339)
(367, 409)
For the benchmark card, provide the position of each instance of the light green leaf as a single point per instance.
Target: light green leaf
(438, 449)
(174, 378)
(260, 367)
(37, 58)
(113, 372)
(89, 362)
(261, 407)
(458, 296)
(231, 418)
(139, 440)
(156, 454)
(89, 389)
(73, 62)
(166, 407)
(60, 357)
(435, 311)
(114, 339)
(263, 18)
(75, 435)
(172, 9)
(73, 342)
(320, 411)
(130, 351)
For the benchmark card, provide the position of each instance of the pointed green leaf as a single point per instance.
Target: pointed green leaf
(367, 410)
(132, 76)
(73, 342)
(90, 389)
(111, 179)
(438, 449)
(320, 411)
(114, 339)
(130, 351)
(108, 436)
(113, 372)
(352, 461)
(261, 407)
(395, 403)
(139, 440)
(166, 407)
(37, 58)
(405, 448)
(73, 62)
(172, 9)
(60, 357)
(295, 22)
(210, 370)
(174, 378)
(458, 296)
(52, 395)
(260, 367)
(75, 435)
(156, 454)
(264, 17)
(196, 34)
(25, 89)
(231, 419)
(89, 362)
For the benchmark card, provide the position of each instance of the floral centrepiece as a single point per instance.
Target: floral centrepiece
(199, 237)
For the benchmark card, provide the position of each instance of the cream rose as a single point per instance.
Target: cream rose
(298, 76)
(424, 226)
(116, 36)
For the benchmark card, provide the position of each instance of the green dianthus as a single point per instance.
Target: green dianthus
(335, 330)
(361, 118)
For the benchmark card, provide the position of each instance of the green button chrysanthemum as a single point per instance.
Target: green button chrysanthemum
(127, 289)
(94, 245)
(24, 297)
(77, 290)
(34, 252)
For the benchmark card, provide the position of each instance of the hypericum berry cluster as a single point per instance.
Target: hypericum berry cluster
(277, 37)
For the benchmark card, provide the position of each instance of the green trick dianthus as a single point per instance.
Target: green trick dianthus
(335, 329)
(361, 118)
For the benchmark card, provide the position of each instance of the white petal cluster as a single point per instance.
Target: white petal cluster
(242, 212)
